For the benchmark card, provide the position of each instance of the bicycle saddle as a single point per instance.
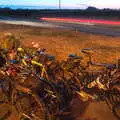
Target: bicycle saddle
(87, 51)
(75, 56)
(50, 57)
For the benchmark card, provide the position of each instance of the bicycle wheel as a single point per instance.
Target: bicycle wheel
(31, 107)
(44, 89)
(114, 96)
(65, 93)
(24, 107)
(116, 111)
(50, 96)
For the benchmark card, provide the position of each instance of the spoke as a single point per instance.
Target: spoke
(35, 116)
(6, 116)
(23, 114)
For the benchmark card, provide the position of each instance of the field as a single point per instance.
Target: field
(63, 42)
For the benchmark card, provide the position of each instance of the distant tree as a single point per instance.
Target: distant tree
(90, 8)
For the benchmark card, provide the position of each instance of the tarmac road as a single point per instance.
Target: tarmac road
(110, 30)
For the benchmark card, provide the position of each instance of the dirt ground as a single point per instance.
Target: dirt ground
(90, 111)
(63, 42)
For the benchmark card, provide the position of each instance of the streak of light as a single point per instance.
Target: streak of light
(76, 20)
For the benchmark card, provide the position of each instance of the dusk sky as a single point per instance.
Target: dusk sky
(65, 3)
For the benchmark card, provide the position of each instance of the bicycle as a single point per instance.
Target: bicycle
(108, 83)
(26, 103)
(108, 68)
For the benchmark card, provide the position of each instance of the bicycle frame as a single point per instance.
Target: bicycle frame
(43, 71)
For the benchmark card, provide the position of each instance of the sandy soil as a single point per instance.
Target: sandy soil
(63, 42)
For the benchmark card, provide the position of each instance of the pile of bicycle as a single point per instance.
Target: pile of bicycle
(36, 86)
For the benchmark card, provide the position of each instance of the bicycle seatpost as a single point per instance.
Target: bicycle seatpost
(88, 52)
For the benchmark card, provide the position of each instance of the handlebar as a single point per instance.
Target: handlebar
(89, 52)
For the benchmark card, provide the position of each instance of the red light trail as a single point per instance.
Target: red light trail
(105, 22)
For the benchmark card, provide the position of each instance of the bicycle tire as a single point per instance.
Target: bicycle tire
(114, 110)
(34, 108)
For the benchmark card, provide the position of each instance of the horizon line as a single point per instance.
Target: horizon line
(56, 7)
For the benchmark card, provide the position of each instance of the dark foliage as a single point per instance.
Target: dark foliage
(89, 12)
